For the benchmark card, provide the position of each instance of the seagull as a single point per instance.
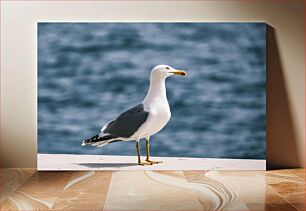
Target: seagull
(142, 120)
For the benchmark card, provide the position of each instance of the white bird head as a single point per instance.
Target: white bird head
(164, 71)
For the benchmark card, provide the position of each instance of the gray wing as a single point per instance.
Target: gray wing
(127, 123)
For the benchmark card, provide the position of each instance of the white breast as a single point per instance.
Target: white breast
(159, 115)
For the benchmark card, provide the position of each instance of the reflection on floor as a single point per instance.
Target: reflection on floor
(27, 189)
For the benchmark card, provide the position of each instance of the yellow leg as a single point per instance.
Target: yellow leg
(148, 153)
(139, 159)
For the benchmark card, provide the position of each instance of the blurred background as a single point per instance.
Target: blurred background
(88, 73)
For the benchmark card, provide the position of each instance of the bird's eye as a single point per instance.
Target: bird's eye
(167, 68)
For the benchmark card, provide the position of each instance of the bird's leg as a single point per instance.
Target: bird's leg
(138, 153)
(148, 153)
(148, 149)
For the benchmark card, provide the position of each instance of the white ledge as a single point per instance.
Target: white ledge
(109, 162)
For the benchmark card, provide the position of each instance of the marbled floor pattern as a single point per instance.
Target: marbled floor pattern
(28, 189)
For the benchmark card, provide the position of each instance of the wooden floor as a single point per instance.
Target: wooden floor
(27, 189)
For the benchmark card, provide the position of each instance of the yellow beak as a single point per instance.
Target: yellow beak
(179, 72)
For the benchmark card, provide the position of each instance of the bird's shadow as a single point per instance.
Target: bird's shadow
(106, 165)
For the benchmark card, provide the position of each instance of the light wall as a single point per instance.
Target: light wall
(285, 70)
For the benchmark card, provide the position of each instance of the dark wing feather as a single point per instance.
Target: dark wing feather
(127, 123)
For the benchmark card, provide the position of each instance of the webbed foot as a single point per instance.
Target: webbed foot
(153, 161)
(144, 163)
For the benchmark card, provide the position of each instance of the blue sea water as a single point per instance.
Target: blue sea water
(90, 72)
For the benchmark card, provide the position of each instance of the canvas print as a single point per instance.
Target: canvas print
(124, 95)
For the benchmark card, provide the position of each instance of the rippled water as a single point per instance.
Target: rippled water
(90, 72)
